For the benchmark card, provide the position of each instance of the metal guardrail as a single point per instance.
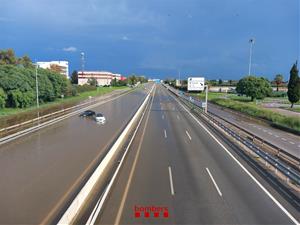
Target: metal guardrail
(289, 172)
(279, 150)
(49, 116)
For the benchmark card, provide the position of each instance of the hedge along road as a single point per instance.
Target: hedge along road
(43, 169)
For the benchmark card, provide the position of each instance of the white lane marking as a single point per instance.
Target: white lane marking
(243, 168)
(213, 180)
(178, 117)
(163, 117)
(283, 139)
(129, 180)
(259, 128)
(265, 131)
(165, 132)
(171, 181)
(298, 146)
(187, 133)
(270, 133)
(292, 143)
(276, 136)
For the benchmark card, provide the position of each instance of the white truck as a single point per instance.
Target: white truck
(196, 84)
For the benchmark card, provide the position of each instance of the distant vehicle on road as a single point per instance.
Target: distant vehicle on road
(87, 113)
(100, 118)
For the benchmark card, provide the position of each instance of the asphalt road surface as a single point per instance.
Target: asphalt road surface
(286, 141)
(180, 174)
(39, 172)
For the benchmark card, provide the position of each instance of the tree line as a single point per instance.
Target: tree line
(18, 82)
(258, 87)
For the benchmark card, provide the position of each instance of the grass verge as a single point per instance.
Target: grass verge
(259, 112)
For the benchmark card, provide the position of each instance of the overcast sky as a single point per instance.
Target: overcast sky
(157, 38)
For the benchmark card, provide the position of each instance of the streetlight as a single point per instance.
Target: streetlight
(251, 41)
(206, 94)
(179, 78)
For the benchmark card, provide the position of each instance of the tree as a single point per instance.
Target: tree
(3, 98)
(25, 61)
(294, 85)
(74, 77)
(278, 80)
(114, 82)
(7, 57)
(132, 80)
(92, 81)
(220, 82)
(254, 87)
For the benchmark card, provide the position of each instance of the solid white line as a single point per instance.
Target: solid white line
(171, 181)
(165, 132)
(187, 133)
(162, 116)
(243, 168)
(283, 139)
(292, 143)
(178, 117)
(213, 180)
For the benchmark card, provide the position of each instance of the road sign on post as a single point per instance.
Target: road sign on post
(196, 83)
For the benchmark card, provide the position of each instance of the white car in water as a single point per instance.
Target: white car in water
(100, 118)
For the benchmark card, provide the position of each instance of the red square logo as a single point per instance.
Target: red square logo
(166, 214)
(137, 214)
(156, 214)
(147, 214)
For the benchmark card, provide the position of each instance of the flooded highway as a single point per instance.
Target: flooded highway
(40, 171)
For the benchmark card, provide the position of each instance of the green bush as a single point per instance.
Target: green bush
(18, 99)
(3, 98)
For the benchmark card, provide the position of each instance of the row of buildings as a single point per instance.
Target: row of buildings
(103, 77)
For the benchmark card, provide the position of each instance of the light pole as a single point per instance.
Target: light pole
(251, 41)
(179, 78)
(37, 89)
(206, 94)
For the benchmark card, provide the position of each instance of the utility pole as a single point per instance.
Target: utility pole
(179, 78)
(82, 62)
(251, 41)
(206, 94)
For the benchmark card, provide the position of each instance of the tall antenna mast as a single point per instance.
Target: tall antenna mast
(82, 61)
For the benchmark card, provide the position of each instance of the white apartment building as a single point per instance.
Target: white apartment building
(62, 65)
(102, 77)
